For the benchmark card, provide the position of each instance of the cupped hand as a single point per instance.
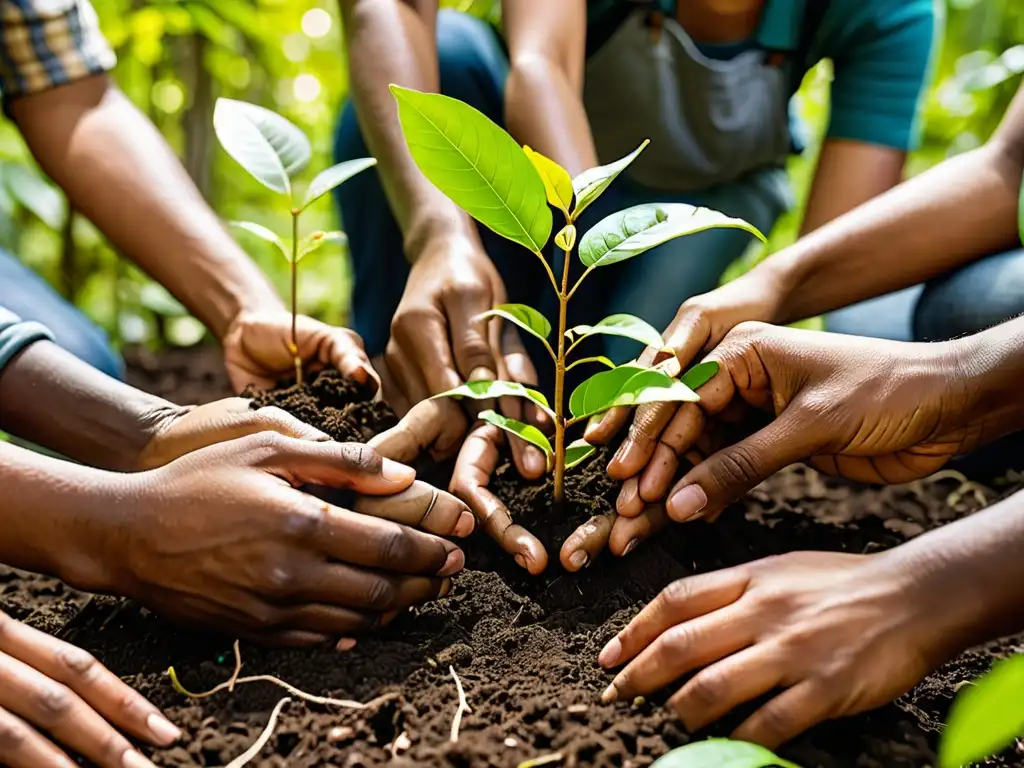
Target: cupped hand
(223, 537)
(257, 349)
(52, 692)
(835, 634)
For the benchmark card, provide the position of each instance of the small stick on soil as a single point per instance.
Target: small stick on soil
(238, 669)
(555, 757)
(463, 707)
(250, 754)
(401, 744)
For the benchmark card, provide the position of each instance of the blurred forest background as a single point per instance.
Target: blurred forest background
(177, 56)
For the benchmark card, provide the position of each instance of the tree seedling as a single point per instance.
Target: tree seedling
(508, 189)
(273, 151)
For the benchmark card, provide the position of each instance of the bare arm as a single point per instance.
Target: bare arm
(544, 93)
(119, 171)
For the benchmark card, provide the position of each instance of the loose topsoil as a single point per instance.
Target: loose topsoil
(525, 648)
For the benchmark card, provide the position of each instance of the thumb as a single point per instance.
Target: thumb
(415, 433)
(728, 474)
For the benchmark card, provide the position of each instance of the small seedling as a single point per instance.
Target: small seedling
(722, 753)
(508, 189)
(273, 151)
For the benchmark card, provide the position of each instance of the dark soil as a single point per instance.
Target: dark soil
(525, 648)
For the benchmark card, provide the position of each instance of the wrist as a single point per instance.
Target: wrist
(438, 232)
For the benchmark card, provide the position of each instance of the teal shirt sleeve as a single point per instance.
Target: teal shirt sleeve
(16, 334)
(882, 53)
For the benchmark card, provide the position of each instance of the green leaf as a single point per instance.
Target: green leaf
(158, 299)
(485, 390)
(590, 184)
(317, 240)
(334, 176)
(721, 753)
(263, 234)
(627, 326)
(627, 385)
(597, 359)
(557, 183)
(699, 375)
(629, 233)
(985, 717)
(577, 452)
(527, 432)
(268, 146)
(36, 194)
(477, 164)
(527, 318)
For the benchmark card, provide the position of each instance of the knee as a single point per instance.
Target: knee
(348, 138)
(471, 63)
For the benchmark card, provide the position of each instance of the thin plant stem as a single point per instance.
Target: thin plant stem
(463, 707)
(250, 754)
(563, 303)
(547, 268)
(579, 282)
(295, 296)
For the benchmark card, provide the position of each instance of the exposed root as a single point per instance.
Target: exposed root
(400, 745)
(555, 757)
(238, 669)
(463, 707)
(966, 487)
(250, 754)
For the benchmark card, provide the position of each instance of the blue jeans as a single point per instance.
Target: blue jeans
(473, 68)
(27, 295)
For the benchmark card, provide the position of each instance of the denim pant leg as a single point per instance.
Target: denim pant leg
(473, 68)
(30, 297)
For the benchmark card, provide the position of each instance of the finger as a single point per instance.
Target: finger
(97, 686)
(587, 542)
(787, 715)
(56, 709)
(470, 345)
(520, 368)
(357, 589)
(476, 463)
(680, 649)
(415, 433)
(629, 532)
(677, 438)
(515, 365)
(639, 444)
(679, 602)
(344, 350)
(629, 503)
(601, 431)
(21, 746)
(422, 506)
(725, 685)
(334, 621)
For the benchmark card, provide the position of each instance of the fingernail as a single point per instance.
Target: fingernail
(578, 559)
(630, 547)
(466, 524)
(163, 729)
(345, 644)
(534, 461)
(610, 654)
(481, 373)
(135, 759)
(594, 425)
(456, 562)
(394, 472)
(609, 695)
(446, 588)
(521, 560)
(687, 502)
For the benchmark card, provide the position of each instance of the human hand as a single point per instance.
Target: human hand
(222, 537)
(49, 689)
(257, 349)
(839, 634)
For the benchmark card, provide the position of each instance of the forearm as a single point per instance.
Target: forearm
(389, 41)
(53, 399)
(119, 172)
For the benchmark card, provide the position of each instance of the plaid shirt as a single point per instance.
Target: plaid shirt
(46, 43)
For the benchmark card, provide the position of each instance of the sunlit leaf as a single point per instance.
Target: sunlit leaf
(527, 432)
(268, 146)
(699, 375)
(485, 390)
(158, 299)
(332, 177)
(527, 318)
(477, 164)
(37, 194)
(627, 326)
(577, 452)
(596, 359)
(263, 234)
(590, 184)
(985, 717)
(592, 395)
(627, 385)
(566, 237)
(557, 182)
(721, 753)
(317, 240)
(653, 386)
(635, 230)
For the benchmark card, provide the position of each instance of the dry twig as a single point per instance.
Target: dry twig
(463, 707)
(555, 757)
(246, 757)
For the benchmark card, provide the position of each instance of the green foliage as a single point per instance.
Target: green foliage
(577, 452)
(700, 374)
(557, 183)
(986, 717)
(265, 234)
(527, 432)
(269, 147)
(590, 184)
(477, 164)
(626, 385)
(527, 318)
(487, 390)
(335, 176)
(721, 753)
(626, 326)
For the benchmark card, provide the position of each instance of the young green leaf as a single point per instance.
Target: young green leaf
(699, 375)
(592, 395)
(653, 386)
(597, 359)
(334, 176)
(985, 717)
(557, 183)
(590, 184)
(263, 234)
(268, 146)
(577, 452)
(629, 233)
(721, 753)
(527, 318)
(37, 194)
(566, 237)
(316, 240)
(527, 432)
(627, 326)
(485, 390)
(477, 164)
(627, 385)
